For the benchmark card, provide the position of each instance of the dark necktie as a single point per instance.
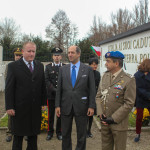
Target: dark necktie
(30, 67)
(73, 75)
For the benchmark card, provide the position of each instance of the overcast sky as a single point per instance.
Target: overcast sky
(34, 15)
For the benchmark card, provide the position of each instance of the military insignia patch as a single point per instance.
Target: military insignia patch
(117, 95)
(108, 54)
(119, 87)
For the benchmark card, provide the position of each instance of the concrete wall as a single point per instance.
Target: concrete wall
(2, 70)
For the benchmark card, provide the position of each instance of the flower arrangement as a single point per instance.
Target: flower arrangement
(44, 121)
(146, 116)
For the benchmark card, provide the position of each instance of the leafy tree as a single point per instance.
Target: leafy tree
(61, 31)
(9, 32)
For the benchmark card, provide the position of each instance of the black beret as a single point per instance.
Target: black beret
(56, 51)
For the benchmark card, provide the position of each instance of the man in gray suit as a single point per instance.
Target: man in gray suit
(75, 97)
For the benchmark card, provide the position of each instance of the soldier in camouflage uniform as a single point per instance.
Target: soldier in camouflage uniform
(115, 99)
(51, 77)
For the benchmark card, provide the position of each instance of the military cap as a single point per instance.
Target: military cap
(56, 51)
(17, 51)
(114, 54)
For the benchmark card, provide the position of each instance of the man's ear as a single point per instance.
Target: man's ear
(117, 63)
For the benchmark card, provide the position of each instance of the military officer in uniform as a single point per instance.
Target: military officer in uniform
(115, 99)
(51, 77)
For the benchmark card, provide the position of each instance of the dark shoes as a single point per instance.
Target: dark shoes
(49, 137)
(59, 136)
(89, 134)
(8, 138)
(137, 138)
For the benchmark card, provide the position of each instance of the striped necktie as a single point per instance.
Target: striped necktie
(30, 67)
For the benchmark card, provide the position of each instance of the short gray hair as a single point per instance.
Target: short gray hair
(78, 50)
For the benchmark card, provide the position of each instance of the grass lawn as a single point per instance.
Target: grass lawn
(132, 120)
(4, 121)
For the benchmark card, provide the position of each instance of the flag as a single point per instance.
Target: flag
(96, 50)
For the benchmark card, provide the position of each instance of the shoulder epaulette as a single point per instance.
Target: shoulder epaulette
(49, 64)
(129, 75)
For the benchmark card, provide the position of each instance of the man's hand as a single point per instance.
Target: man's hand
(90, 112)
(57, 110)
(11, 112)
(108, 121)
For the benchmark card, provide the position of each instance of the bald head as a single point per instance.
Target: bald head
(74, 53)
(78, 50)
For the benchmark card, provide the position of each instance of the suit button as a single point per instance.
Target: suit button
(32, 80)
(33, 100)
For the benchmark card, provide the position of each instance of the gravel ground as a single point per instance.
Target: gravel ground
(92, 143)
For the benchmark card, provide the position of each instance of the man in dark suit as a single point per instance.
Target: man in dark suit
(17, 55)
(75, 97)
(24, 96)
(51, 78)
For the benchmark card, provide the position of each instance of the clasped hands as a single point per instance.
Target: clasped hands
(106, 120)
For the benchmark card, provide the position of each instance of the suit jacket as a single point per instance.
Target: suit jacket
(81, 97)
(116, 99)
(25, 92)
(142, 89)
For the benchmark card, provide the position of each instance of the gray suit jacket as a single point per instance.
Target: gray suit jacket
(81, 97)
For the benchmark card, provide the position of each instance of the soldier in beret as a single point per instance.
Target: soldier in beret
(17, 55)
(115, 99)
(51, 77)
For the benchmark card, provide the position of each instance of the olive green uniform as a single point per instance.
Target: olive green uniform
(115, 98)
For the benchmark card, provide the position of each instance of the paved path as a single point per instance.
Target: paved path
(92, 143)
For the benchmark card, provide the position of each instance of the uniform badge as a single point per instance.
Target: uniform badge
(119, 87)
(117, 95)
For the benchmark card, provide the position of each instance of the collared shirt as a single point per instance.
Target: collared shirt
(56, 64)
(77, 68)
(116, 74)
(27, 63)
